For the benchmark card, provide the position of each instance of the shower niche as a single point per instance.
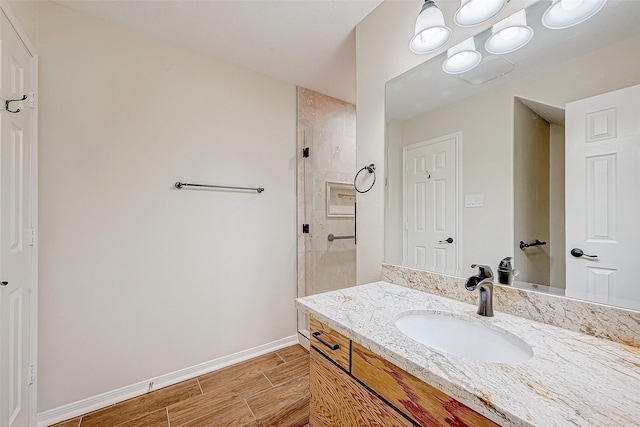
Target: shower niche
(341, 199)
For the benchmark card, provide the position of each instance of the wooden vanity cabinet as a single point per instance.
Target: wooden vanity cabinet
(418, 400)
(337, 400)
(353, 387)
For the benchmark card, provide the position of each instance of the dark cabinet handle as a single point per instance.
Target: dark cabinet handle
(4, 283)
(333, 347)
(577, 252)
(449, 240)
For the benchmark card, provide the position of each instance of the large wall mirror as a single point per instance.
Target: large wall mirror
(531, 157)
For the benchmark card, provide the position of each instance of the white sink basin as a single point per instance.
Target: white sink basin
(464, 336)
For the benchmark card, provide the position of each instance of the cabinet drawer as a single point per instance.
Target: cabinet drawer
(332, 344)
(338, 400)
(410, 395)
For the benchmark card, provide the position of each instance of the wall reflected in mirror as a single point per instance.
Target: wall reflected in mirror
(529, 155)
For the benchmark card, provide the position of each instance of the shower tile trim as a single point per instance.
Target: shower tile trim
(603, 321)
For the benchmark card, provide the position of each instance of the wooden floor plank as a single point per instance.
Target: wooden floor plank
(272, 402)
(275, 387)
(236, 414)
(289, 370)
(236, 374)
(75, 422)
(141, 405)
(155, 419)
(295, 414)
(291, 353)
(222, 395)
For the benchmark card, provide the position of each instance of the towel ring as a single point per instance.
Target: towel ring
(371, 169)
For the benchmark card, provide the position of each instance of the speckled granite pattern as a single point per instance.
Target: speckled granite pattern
(573, 379)
(603, 321)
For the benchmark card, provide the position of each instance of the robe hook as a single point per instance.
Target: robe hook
(6, 104)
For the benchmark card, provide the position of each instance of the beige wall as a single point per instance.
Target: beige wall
(138, 279)
(531, 194)
(26, 12)
(382, 53)
(487, 150)
(557, 206)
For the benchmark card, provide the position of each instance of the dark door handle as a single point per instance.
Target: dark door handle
(449, 240)
(577, 252)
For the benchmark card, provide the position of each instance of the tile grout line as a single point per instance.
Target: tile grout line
(278, 354)
(250, 410)
(267, 379)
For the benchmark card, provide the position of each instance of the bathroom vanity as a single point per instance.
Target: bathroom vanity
(350, 385)
(365, 371)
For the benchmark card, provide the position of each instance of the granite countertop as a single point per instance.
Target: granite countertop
(573, 379)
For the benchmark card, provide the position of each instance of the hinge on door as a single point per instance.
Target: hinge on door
(32, 375)
(32, 236)
(305, 228)
(32, 99)
(305, 152)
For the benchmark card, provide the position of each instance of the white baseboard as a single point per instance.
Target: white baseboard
(103, 400)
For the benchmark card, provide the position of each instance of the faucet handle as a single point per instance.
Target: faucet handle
(485, 271)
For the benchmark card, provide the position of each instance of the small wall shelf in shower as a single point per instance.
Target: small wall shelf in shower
(179, 185)
(341, 198)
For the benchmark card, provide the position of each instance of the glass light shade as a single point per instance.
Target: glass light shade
(462, 57)
(509, 35)
(567, 13)
(430, 31)
(474, 12)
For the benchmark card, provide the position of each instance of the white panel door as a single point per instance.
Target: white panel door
(16, 253)
(430, 205)
(603, 197)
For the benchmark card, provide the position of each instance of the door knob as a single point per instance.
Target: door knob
(4, 283)
(577, 252)
(449, 240)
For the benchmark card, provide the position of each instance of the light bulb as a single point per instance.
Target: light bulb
(570, 4)
(567, 13)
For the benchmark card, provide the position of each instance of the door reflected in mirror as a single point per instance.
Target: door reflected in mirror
(546, 160)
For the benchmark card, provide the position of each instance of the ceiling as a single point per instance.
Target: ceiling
(310, 43)
(427, 87)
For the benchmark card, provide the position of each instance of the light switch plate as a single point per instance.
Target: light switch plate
(473, 201)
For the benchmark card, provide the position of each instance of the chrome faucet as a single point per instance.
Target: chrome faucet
(484, 283)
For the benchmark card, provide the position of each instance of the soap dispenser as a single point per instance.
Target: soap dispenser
(506, 273)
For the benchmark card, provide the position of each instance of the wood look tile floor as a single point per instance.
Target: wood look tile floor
(268, 391)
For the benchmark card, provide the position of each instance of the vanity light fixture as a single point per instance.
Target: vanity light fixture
(510, 34)
(474, 12)
(462, 57)
(430, 32)
(567, 13)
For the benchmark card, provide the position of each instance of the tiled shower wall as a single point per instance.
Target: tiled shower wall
(327, 126)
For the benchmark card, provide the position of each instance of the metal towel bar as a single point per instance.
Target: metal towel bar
(331, 237)
(524, 245)
(184, 184)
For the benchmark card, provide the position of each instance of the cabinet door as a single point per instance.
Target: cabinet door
(418, 400)
(337, 400)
